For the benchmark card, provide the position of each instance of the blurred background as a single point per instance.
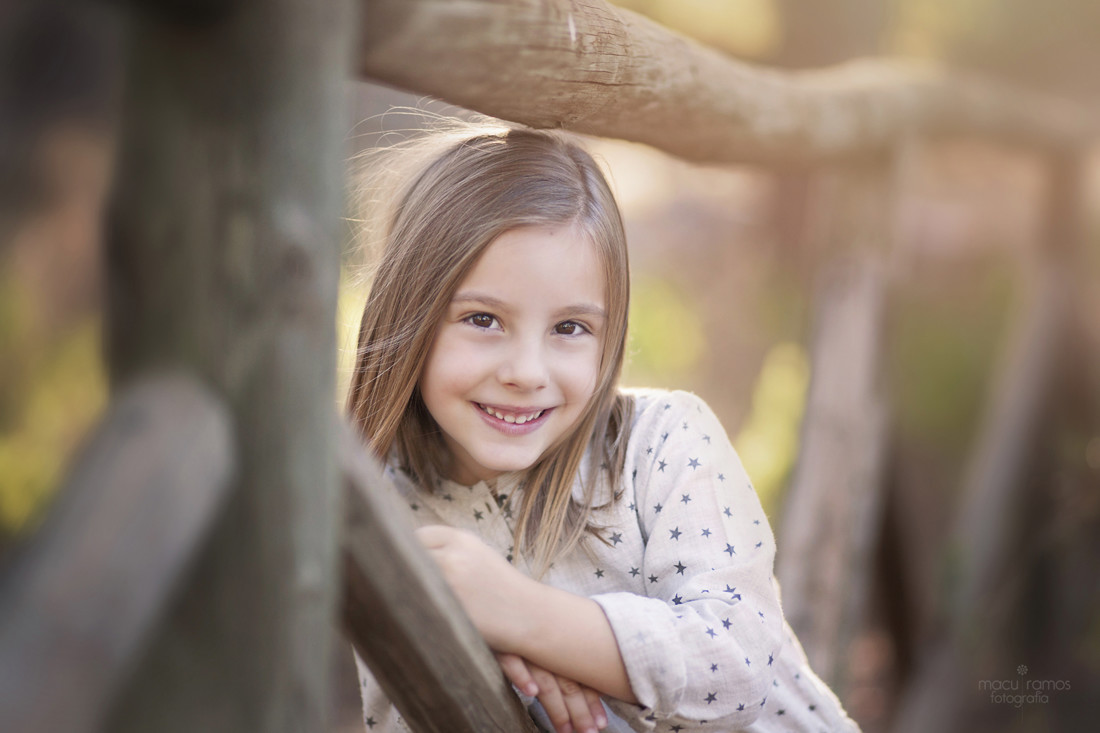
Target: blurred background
(724, 284)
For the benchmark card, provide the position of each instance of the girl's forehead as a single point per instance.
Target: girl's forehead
(559, 260)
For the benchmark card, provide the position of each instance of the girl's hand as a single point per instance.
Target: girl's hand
(492, 592)
(570, 705)
(556, 629)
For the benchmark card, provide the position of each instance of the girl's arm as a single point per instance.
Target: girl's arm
(558, 630)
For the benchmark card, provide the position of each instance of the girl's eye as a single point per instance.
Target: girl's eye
(569, 328)
(481, 320)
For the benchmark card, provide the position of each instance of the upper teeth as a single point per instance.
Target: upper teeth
(517, 419)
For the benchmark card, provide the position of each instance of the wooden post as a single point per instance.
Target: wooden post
(831, 512)
(993, 511)
(223, 258)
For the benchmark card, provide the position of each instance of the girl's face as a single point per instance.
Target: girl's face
(516, 357)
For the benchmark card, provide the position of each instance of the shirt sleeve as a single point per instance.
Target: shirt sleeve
(699, 646)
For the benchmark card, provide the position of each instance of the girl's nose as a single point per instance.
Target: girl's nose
(524, 365)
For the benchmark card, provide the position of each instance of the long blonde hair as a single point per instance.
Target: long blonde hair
(467, 188)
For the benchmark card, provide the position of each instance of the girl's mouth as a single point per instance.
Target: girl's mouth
(511, 417)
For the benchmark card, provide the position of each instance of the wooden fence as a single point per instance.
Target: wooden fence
(187, 578)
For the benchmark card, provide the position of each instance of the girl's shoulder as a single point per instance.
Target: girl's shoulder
(655, 408)
(650, 400)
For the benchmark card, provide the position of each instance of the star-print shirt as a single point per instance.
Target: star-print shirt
(684, 577)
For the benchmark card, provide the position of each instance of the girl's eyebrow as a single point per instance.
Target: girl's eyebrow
(476, 297)
(491, 301)
(583, 309)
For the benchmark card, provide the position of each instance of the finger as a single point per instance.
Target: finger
(551, 700)
(580, 715)
(595, 704)
(515, 669)
(434, 536)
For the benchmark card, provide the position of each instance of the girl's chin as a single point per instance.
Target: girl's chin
(495, 469)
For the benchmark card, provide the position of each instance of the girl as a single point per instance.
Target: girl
(608, 545)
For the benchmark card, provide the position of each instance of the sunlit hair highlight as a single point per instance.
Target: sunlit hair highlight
(451, 194)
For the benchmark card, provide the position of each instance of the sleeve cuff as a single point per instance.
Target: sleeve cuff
(646, 636)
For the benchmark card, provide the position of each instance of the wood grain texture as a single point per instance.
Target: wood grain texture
(83, 596)
(591, 67)
(223, 258)
(404, 621)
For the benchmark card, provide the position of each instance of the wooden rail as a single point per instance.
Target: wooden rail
(594, 68)
(405, 622)
(80, 600)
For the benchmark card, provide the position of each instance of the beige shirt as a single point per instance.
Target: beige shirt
(685, 579)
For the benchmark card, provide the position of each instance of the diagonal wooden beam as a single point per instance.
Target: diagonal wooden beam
(405, 622)
(80, 599)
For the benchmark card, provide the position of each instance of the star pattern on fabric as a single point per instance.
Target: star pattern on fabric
(678, 465)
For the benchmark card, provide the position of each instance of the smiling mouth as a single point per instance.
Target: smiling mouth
(511, 417)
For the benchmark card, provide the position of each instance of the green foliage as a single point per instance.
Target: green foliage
(769, 439)
(54, 387)
(667, 339)
(349, 311)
